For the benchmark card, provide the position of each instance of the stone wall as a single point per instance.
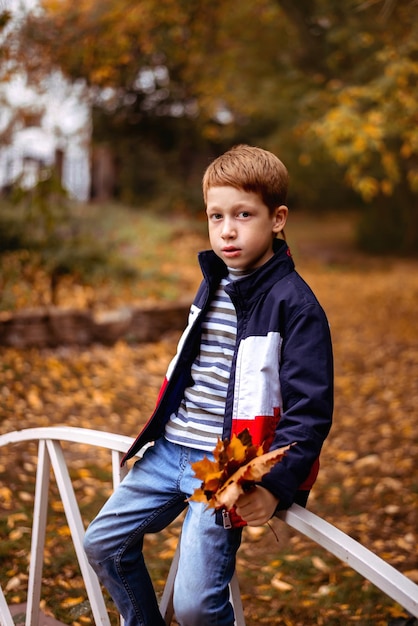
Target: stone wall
(53, 326)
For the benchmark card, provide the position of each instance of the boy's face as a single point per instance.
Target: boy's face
(241, 229)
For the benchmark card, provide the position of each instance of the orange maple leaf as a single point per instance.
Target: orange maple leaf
(237, 466)
(246, 476)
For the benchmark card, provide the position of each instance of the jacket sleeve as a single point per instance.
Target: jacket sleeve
(306, 381)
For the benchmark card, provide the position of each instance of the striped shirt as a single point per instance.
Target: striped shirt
(198, 422)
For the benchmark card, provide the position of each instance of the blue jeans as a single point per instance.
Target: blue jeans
(150, 497)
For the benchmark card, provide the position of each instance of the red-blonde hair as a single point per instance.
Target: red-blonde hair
(250, 169)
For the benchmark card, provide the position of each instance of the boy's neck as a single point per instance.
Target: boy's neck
(236, 274)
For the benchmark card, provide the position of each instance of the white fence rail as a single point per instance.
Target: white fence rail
(50, 454)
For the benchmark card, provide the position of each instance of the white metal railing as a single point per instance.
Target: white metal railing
(50, 454)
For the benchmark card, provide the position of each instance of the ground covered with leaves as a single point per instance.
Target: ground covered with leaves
(368, 484)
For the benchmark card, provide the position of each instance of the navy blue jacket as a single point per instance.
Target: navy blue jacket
(281, 383)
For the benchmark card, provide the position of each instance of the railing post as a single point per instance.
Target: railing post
(75, 523)
(40, 510)
(118, 472)
(5, 615)
(236, 601)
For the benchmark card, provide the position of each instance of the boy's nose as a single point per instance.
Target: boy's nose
(228, 230)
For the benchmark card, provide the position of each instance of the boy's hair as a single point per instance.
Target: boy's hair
(250, 169)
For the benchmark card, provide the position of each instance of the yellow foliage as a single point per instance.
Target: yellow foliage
(64, 531)
(238, 465)
(406, 150)
(359, 143)
(16, 534)
(84, 472)
(386, 187)
(70, 602)
(373, 130)
(57, 506)
(413, 179)
(390, 165)
(6, 496)
(236, 450)
(16, 517)
(305, 159)
(279, 584)
(368, 187)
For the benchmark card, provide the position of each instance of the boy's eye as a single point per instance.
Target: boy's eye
(215, 216)
(244, 214)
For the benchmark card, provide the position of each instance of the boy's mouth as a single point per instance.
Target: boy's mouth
(231, 251)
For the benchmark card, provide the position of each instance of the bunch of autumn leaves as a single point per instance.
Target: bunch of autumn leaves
(237, 466)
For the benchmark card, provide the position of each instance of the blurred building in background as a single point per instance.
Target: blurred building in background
(43, 126)
(61, 138)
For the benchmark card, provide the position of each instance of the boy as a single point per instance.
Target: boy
(256, 354)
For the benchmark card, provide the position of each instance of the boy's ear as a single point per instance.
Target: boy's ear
(279, 218)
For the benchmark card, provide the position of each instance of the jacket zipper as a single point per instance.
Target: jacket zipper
(226, 520)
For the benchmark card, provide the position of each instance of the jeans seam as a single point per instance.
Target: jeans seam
(184, 461)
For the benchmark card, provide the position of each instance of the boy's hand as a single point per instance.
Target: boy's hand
(257, 506)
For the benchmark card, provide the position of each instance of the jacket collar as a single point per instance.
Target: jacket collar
(249, 287)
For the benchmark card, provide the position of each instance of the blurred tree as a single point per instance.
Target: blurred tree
(366, 109)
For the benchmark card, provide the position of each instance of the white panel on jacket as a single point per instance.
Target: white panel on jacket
(257, 386)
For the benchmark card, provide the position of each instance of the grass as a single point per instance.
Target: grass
(142, 242)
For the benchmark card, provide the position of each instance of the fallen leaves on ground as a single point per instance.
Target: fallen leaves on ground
(367, 486)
